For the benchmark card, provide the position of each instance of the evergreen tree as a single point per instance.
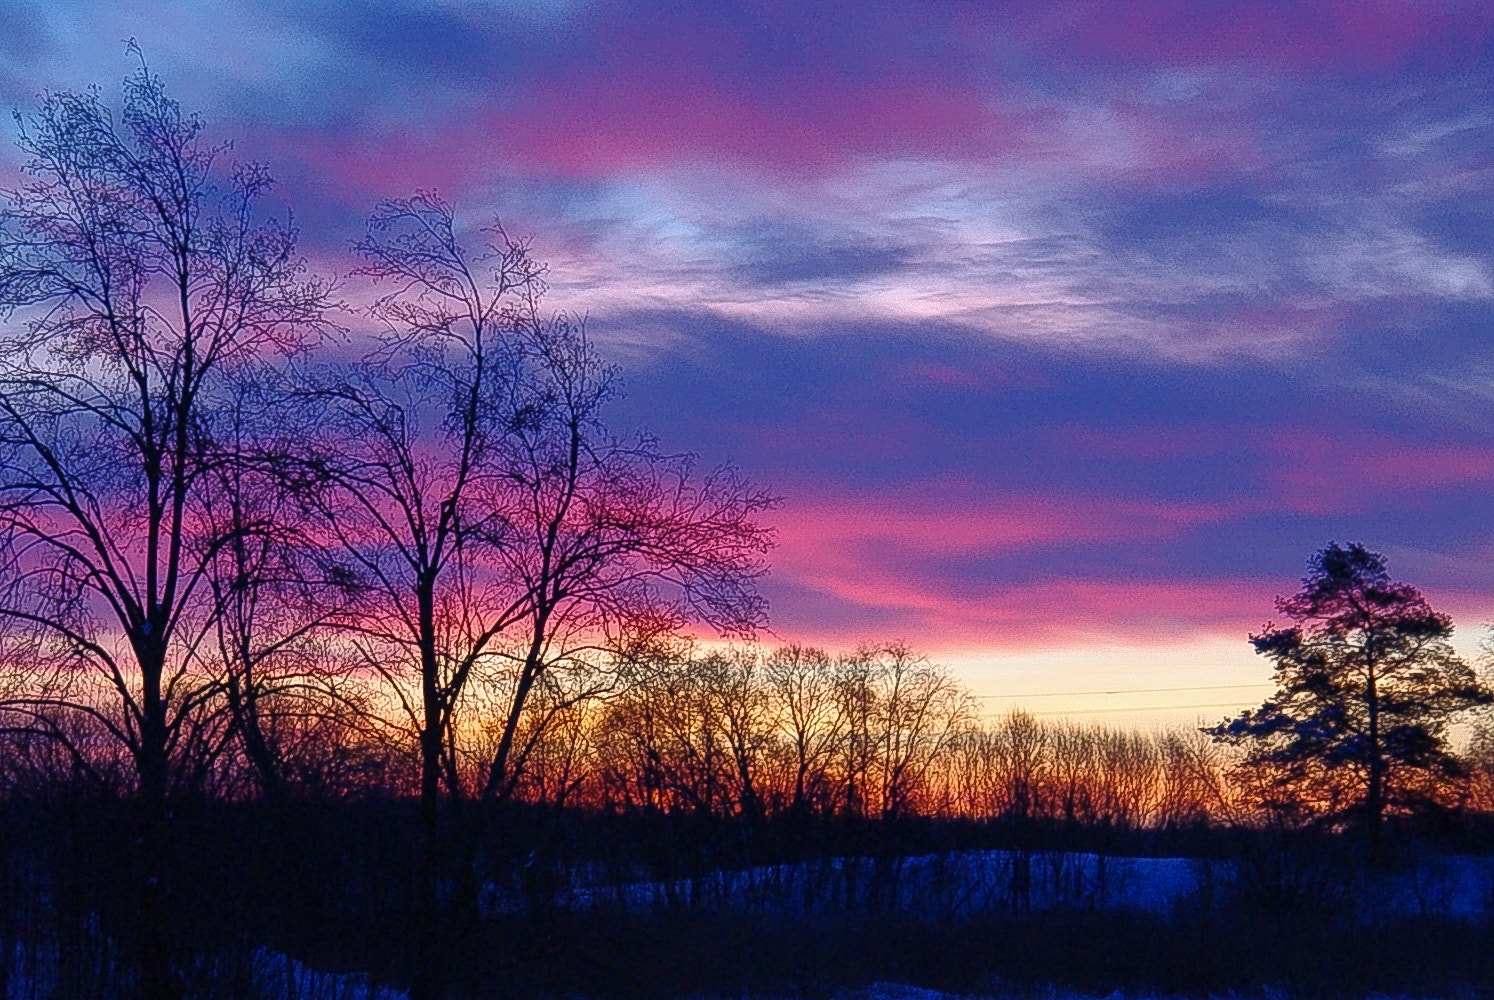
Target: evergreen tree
(1367, 682)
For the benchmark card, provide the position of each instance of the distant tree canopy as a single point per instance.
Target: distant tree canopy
(1367, 683)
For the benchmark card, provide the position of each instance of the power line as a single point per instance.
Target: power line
(1145, 708)
(1079, 694)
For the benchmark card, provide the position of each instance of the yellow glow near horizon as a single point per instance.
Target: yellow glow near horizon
(1167, 685)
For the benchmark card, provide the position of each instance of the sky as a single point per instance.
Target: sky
(1066, 331)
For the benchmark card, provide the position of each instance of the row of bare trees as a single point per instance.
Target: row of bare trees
(880, 733)
(884, 733)
(745, 732)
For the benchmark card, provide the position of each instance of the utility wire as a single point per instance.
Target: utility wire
(1079, 694)
(1141, 708)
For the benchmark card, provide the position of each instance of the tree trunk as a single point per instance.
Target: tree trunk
(1374, 802)
(154, 939)
(243, 703)
(428, 961)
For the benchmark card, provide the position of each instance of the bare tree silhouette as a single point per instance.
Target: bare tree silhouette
(499, 531)
(801, 683)
(146, 281)
(280, 596)
(611, 542)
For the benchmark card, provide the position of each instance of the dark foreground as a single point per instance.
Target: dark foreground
(336, 890)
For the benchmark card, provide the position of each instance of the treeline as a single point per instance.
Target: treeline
(880, 733)
(742, 733)
(694, 808)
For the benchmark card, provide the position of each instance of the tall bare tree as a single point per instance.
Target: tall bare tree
(498, 528)
(400, 469)
(145, 278)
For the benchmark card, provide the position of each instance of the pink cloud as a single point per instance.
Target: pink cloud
(1311, 472)
(875, 600)
(870, 559)
(596, 125)
(1319, 473)
(937, 520)
(656, 96)
(392, 162)
(868, 568)
(1191, 148)
(1035, 615)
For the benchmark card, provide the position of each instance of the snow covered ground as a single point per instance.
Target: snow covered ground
(280, 976)
(952, 883)
(979, 881)
(900, 991)
(32, 973)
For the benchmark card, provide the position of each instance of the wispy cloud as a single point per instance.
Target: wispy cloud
(1086, 319)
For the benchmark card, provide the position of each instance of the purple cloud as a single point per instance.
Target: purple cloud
(1038, 314)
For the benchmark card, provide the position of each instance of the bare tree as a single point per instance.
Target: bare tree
(557, 745)
(743, 711)
(1194, 779)
(146, 279)
(1128, 779)
(801, 681)
(663, 741)
(401, 468)
(498, 529)
(924, 711)
(857, 693)
(278, 594)
(609, 543)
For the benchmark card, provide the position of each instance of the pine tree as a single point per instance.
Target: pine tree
(1367, 682)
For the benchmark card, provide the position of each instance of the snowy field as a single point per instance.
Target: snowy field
(280, 977)
(899, 991)
(33, 974)
(982, 881)
(958, 883)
